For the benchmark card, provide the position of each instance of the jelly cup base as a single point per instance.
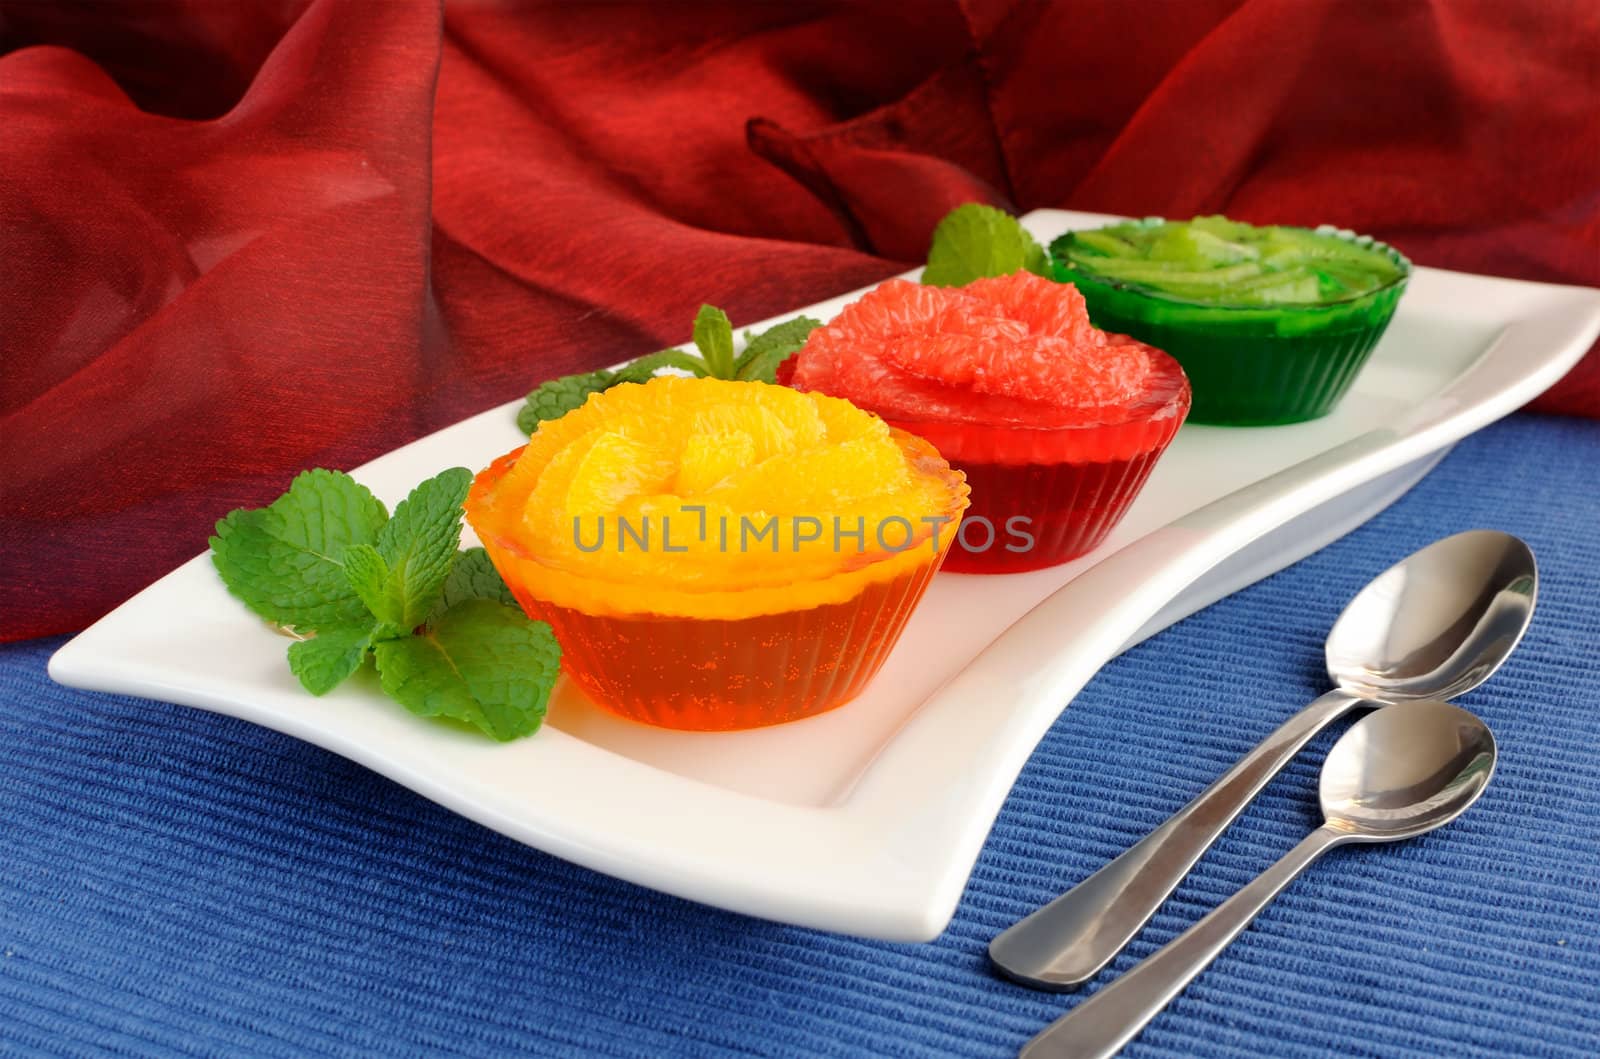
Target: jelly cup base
(1262, 380)
(1040, 497)
(1071, 507)
(700, 674)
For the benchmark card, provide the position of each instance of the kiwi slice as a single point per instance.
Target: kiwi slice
(1218, 261)
(1105, 243)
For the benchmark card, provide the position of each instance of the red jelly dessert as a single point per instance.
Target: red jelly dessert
(1056, 423)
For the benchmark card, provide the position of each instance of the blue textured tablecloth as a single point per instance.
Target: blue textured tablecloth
(181, 883)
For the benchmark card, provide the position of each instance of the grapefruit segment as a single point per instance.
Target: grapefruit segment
(907, 348)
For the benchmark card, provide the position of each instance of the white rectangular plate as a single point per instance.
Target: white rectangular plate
(867, 819)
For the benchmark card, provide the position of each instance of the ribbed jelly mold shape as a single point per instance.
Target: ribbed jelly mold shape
(722, 674)
(1071, 506)
(1262, 380)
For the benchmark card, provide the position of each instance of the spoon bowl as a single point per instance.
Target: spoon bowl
(1437, 623)
(1402, 772)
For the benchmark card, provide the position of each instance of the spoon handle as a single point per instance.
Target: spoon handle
(1112, 1017)
(1068, 941)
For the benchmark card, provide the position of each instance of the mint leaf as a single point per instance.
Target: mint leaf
(419, 544)
(764, 352)
(974, 241)
(333, 654)
(369, 575)
(645, 368)
(474, 577)
(483, 663)
(713, 336)
(285, 561)
(400, 578)
(556, 398)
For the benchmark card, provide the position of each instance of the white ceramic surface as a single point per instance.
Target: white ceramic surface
(867, 819)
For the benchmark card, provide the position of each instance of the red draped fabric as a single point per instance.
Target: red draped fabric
(239, 239)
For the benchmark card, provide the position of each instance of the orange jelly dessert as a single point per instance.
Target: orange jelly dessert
(1056, 423)
(717, 555)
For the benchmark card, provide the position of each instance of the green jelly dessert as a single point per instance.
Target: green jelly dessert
(1271, 324)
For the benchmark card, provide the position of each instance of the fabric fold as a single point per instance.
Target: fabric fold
(237, 240)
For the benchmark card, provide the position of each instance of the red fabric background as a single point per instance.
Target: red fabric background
(241, 239)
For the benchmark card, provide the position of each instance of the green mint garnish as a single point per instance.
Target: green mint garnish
(713, 337)
(974, 241)
(323, 661)
(764, 352)
(474, 577)
(644, 369)
(483, 663)
(448, 638)
(420, 544)
(374, 584)
(285, 561)
(557, 397)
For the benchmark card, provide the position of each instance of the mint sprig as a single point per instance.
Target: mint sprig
(327, 562)
(713, 338)
(974, 241)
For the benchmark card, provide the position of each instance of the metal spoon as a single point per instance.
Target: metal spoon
(1432, 626)
(1395, 774)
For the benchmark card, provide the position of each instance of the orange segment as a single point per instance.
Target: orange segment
(702, 497)
(816, 480)
(709, 458)
(615, 469)
(547, 474)
(777, 423)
